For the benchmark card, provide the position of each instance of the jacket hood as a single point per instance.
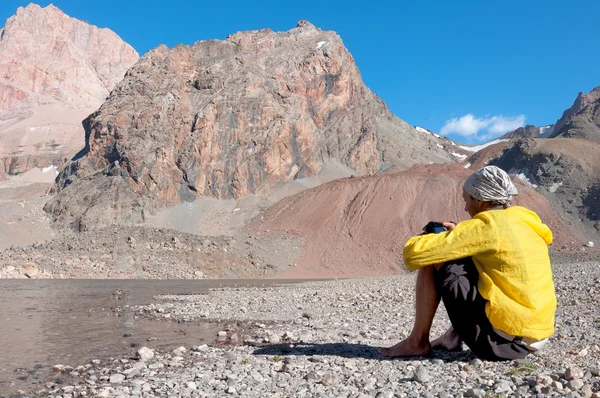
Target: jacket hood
(533, 221)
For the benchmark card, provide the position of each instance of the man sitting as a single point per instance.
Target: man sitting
(492, 272)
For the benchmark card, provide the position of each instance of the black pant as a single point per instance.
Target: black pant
(456, 282)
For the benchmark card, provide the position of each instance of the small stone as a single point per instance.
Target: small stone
(583, 352)
(231, 390)
(312, 377)
(586, 391)
(421, 375)
(116, 378)
(132, 372)
(274, 339)
(180, 351)
(202, 348)
(573, 372)
(475, 392)
(105, 393)
(543, 379)
(145, 354)
(58, 368)
(557, 385)
(477, 363)
(329, 380)
(575, 384)
(192, 385)
(502, 386)
(222, 333)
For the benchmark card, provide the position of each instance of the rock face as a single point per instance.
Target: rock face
(566, 171)
(230, 118)
(358, 226)
(54, 71)
(528, 131)
(582, 120)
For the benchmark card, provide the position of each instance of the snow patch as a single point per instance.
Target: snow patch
(546, 131)
(49, 168)
(554, 187)
(458, 155)
(320, 44)
(480, 147)
(422, 130)
(439, 146)
(524, 175)
(467, 165)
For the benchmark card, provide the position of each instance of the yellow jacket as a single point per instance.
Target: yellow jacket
(509, 249)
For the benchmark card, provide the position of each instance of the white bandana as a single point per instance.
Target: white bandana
(490, 184)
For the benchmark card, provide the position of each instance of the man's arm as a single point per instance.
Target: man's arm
(467, 239)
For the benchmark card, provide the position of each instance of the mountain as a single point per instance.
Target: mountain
(54, 71)
(582, 120)
(227, 119)
(530, 131)
(565, 170)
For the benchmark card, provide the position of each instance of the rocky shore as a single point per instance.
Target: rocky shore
(320, 339)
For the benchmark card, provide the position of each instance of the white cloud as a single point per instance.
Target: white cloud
(482, 128)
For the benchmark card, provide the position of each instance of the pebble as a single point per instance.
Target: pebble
(179, 352)
(421, 375)
(573, 372)
(575, 384)
(145, 354)
(333, 352)
(117, 378)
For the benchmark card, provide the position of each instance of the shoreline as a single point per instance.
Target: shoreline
(320, 338)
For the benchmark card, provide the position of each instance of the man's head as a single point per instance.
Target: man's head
(486, 189)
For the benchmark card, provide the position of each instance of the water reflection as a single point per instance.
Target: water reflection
(71, 322)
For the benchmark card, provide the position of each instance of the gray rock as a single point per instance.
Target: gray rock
(475, 392)
(117, 378)
(573, 372)
(502, 386)
(145, 354)
(421, 375)
(329, 380)
(575, 384)
(180, 351)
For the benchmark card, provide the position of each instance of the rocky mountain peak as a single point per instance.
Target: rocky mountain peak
(229, 118)
(54, 71)
(305, 24)
(50, 57)
(582, 120)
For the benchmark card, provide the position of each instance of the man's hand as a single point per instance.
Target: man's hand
(449, 225)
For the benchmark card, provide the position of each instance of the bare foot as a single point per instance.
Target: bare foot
(449, 341)
(406, 348)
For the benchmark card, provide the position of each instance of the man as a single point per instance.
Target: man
(492, 272)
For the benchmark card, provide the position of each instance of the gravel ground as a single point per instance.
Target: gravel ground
(320, 339)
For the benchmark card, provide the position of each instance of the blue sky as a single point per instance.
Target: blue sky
(470, 67)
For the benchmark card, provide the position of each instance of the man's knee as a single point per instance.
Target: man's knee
(457, 281)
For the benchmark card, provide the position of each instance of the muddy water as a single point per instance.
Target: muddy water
(71, 322)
